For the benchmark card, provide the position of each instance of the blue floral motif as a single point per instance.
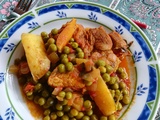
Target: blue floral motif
(10, 114)
(9, 47)
(61, 14)
(33, 25)
(1, 118)
(92, 17)
(141, 90)
(119, 29)
(1, 77)
(137, 56)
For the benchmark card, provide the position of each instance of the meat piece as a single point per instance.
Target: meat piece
(79, 35)
(101, 38)
(120, 46)
(118, 41)
(83, 37)
(66, 80)
(108, 56)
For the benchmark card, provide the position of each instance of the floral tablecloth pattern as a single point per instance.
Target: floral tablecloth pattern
(145, 11)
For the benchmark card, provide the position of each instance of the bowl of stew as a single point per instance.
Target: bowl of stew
(77, 60)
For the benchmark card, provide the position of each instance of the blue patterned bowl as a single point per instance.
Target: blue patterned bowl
(145, 84)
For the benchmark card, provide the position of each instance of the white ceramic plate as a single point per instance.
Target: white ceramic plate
(145, 88)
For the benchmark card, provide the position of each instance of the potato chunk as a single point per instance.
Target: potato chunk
(37, 59)
(102, 95)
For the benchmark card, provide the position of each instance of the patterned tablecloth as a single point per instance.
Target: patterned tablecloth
(145, 11)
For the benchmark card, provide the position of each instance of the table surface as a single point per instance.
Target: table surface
(145, 11)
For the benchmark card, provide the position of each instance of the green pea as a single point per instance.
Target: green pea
(100, 63)
(66, 50)
(61, 94)
(29, 93)
(59, 113)
(123, 75)
(72, 40)
(73, 119)
(102, 69)
(45, 93)
(106, 77)
(126, 99)
(120, 70)
(44, 34)
(109, 69)
(115, 86)
(30, 97)
(122, 85)
(46, 76)
(112, 92)
(64, 60)
(69, 66)
(112, 117)
(51, 41)
(54, 31)
(103, 118)
(87, 104)
(119, 106)
(53, 116)
(61, 68)
(78, 50)
(74, 45)
(94, 117)
(85, 118)
(64, 117)
(46, 117)
(70, 115)
(88, 83)
(63, 56)
(66, 108)
(113, 80)
(59, 106)
(125, 91)
(118, 92)
(36, 98)
(80, 115)
(52, 48)
(64, 102)
(74, 112)
(50, 101)
(38, 87)
(80, 54)
(89, 112)
(41, 101)
(47, 112)
(68, 95)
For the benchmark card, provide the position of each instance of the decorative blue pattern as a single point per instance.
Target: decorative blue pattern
(151, 93)
(1, 77)
(145, 113)
(141, 90)
(119, 29)
(52, 8)
(153, 82)
(143, 45)
(9, 114)
(61, 14)
(93, 17)
(137, 56)
(14, 28)
(9, 47)
(1, 118)
(86, 7)
(33, 25)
